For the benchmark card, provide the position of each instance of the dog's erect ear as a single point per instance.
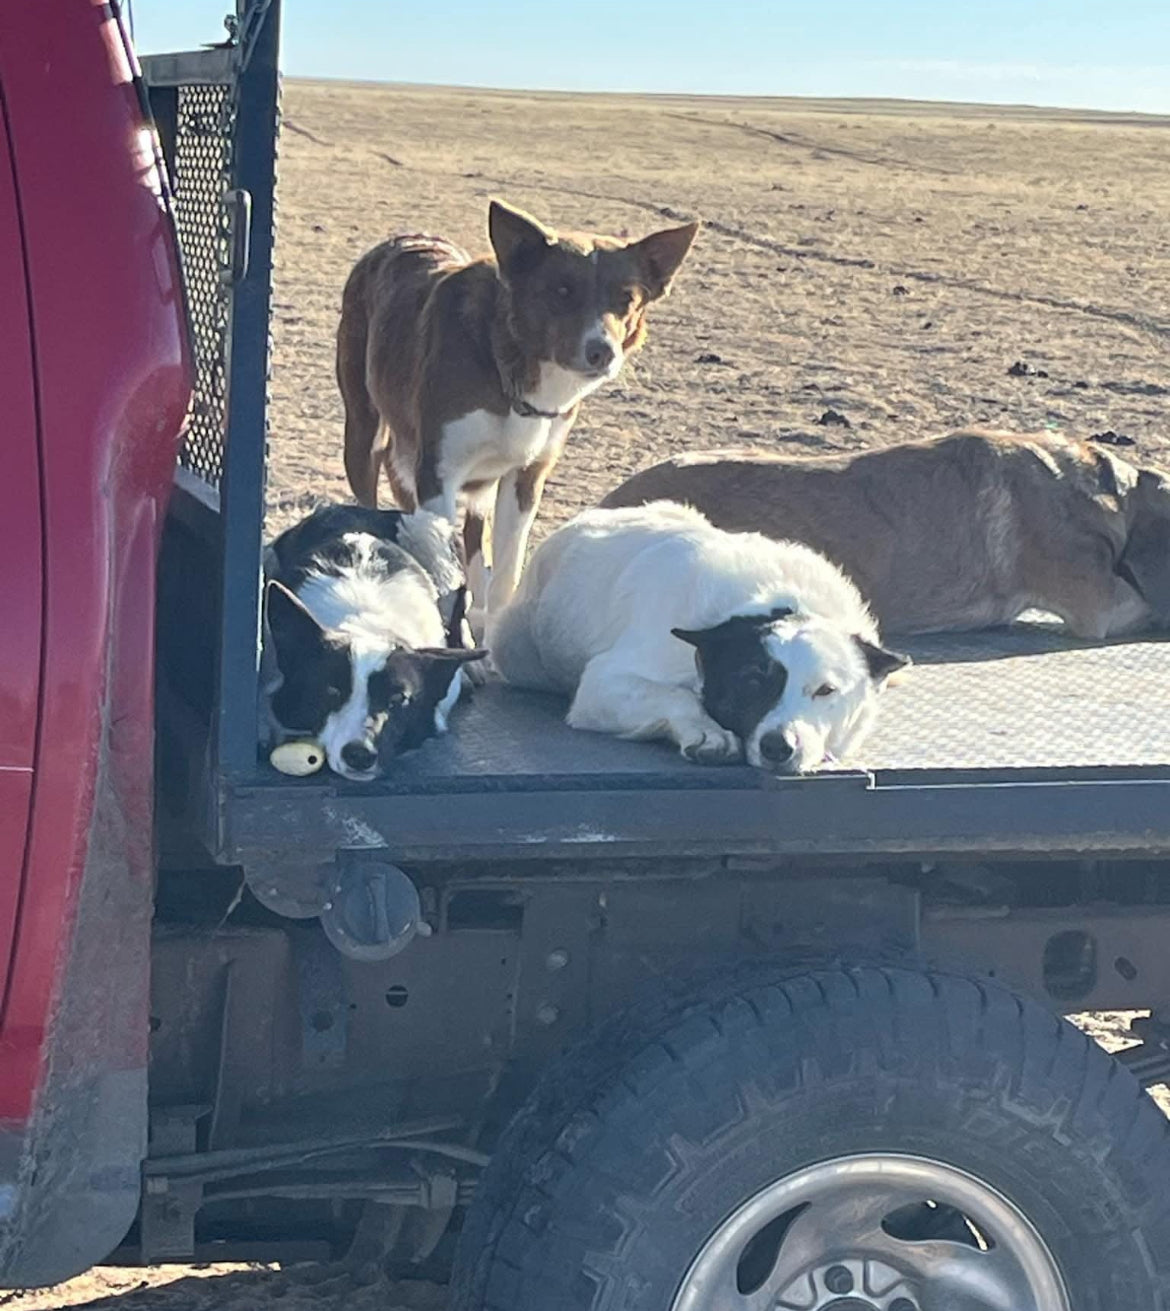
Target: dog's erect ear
(880, 662)
(659, 256)
(515, 236)
(292, 626)
(1145, 562)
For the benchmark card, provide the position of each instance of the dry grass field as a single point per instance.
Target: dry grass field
(889, 262)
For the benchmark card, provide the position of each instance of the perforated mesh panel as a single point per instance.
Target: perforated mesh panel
(202, 173)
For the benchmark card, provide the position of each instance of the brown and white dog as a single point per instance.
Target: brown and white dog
(966, 531)
(462, 377)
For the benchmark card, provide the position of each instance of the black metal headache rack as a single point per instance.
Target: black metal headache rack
(217, 115)
(1015, 741)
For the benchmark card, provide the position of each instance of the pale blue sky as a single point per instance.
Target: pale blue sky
(1075, 53)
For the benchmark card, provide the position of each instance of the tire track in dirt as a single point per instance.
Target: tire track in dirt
(803, 143)
(1142, 322)
(286, 124)
(297, 130)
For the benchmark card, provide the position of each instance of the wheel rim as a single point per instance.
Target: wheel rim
(875, 1233)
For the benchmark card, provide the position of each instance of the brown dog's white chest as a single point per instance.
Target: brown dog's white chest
(482, 446)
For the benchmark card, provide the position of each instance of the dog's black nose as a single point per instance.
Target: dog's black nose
(358, 756)
(598, 353)
(775, 748)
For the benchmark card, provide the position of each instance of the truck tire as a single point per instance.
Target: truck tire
(853, 1139)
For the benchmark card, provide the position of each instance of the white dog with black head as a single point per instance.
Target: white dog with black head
(730, 645)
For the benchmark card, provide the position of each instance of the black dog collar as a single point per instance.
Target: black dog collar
(526, 411)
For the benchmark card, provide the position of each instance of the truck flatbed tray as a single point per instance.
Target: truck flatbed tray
(1016, 740)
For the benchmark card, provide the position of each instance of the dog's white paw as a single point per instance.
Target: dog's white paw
(713, 746)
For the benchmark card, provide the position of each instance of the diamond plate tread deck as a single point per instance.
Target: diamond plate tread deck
(507, 738)
(1024, 698)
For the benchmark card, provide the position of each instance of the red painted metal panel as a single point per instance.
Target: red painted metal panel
(113, 384)
(20, 549)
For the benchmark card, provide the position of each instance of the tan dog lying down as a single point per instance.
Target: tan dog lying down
(965, 531)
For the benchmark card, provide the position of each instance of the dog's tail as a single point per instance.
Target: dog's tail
(363, 451)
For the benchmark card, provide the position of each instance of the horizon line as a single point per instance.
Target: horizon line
(1151, 117)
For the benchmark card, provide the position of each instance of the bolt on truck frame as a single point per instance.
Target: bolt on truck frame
(581, 1023)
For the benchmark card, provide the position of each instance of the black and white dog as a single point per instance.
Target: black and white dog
(729, 645)
(365, 634)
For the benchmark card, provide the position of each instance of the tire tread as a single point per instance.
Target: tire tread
(914, 1026)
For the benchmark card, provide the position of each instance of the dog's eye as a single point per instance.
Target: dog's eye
(564, 292)
(825, 689)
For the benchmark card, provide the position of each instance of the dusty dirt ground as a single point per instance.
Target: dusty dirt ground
(227, 1288)
(889, 263)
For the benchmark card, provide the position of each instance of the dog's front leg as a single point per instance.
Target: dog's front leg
(439, 479)
(517, 502)
(476, 544)
(611, 699)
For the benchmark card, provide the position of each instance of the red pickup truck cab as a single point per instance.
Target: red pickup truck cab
(95, 381)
